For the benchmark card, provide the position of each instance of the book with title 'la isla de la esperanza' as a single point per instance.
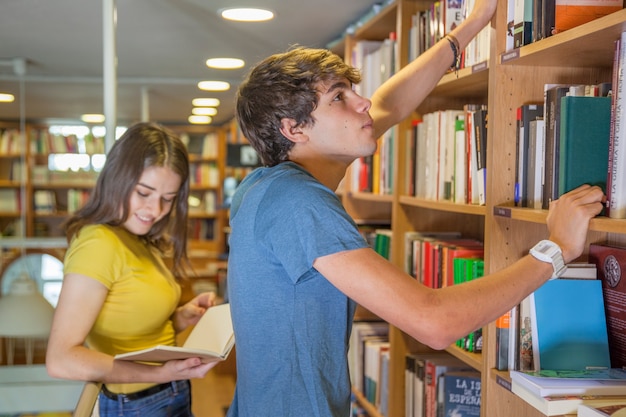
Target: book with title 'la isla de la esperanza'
(212, 340)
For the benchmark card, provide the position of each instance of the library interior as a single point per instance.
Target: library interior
(461, 188)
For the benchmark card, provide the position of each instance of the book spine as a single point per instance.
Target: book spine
(616, 195)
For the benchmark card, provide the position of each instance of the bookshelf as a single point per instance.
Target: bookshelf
(505, 81)
(43, 197)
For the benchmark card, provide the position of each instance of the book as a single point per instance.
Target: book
(361, 332)
(536, 158)
(537, 21)
(524, 350)
(606, 408)
(547, 17)
(503, 324)
(459, 394)
(525, 113)
(513, 358)
(211, 339)
(584, 142)
(552, 95)
(481, 120)
(409, 384)
(547, 383)
(569, 329)
(580, 270)
(460, 162)
(560, 404)
(522, 23)
(615, 190)
(373, 349)
(571, 13)
(611, 261)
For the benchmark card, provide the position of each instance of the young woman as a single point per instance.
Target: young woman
(118, 295)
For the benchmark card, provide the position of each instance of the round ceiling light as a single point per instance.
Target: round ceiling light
(247, 14)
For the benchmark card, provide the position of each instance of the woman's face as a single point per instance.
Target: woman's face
(152, 199)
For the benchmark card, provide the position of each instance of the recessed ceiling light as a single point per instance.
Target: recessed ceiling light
(213, 85)
(247, 14)
(199, 120)
(205, 102)
(204, 111)
(92, 118)
(6, 98)
(224, 63)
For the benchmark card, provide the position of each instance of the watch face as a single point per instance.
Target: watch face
(612, 271)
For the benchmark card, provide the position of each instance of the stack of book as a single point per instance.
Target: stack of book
(577, 349)
(562, 392)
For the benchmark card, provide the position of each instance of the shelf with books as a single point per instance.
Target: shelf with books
(51, 190)
(207, 217)
(587, 45)
(408, 213)
(582, 55)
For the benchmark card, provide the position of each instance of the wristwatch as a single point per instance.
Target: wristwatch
(548, 251)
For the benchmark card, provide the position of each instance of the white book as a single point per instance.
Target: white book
(617, 149)
(562, 404)
(603, 408)
(590, 382)
(211, 339)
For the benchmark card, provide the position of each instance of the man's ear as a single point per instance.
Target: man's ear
(290, 129)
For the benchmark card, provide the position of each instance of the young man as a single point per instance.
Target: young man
(297, 263)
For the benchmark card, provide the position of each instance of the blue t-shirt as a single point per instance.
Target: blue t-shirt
(292, 326)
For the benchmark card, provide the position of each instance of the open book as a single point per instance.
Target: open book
(211, 339)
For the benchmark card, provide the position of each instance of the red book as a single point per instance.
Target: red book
(611, 261)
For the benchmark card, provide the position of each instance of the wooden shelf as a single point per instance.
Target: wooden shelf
(597, 224)
(443, 206)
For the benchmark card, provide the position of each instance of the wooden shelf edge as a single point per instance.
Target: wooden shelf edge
(597, 224)
(370, 197)
(475, 360)
(469, 81)
(444, 206)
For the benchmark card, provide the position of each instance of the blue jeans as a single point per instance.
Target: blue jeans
(174, 401)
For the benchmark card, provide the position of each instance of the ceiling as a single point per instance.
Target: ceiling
(162, 46)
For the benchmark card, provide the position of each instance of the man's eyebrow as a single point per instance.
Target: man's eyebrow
(339, 85)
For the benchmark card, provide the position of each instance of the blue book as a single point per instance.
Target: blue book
(459, 394)
(569, 325)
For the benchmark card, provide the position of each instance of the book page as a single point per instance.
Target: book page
(211, 339)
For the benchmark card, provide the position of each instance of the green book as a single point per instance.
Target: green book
(584, 142)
